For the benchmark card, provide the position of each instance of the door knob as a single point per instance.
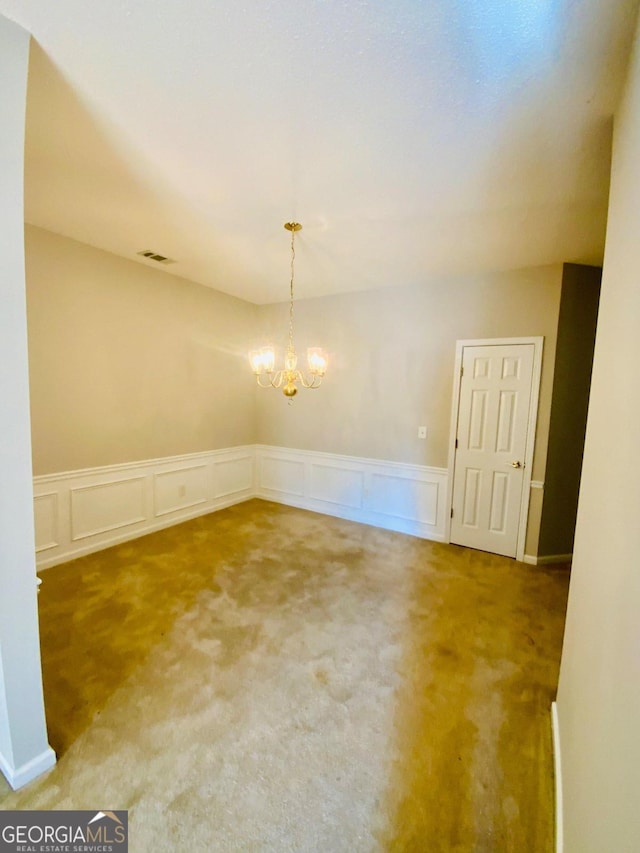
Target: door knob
(516, 464)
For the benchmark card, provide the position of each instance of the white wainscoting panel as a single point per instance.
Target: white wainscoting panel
(405, 497)
(103, 507)
(233, 475)
(281, 472)
(180, 488)
(45, 511)
(393, 495)
(77, 512)
(337, 484)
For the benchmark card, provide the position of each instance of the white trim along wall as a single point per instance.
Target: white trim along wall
(78, 512)
(557, 774)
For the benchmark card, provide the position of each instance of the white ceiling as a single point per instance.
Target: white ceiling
(412, 138)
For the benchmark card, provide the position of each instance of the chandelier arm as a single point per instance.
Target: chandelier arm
(269, 383)
(274, 380)
(314, 383)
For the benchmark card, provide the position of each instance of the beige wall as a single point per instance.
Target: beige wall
(391, 362)
(128, 363)
(599, 692)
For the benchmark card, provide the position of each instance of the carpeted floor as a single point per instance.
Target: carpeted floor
(268, 679)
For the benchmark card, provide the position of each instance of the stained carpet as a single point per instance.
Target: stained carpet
(268, 679)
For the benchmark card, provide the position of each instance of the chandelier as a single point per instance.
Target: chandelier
(288, 377)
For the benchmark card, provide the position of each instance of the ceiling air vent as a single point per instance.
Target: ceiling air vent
(154, 256)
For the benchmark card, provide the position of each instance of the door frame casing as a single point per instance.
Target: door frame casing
(538, 346)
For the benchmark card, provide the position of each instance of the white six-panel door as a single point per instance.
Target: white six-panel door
(491, 439)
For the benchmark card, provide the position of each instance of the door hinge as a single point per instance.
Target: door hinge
(461, 371)
(456, 443)
(451, 512)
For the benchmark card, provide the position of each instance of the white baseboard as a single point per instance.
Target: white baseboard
(547, 560)
(557, 768)
(550, 559)
(78, 512)
(393, 495)
(21, 776)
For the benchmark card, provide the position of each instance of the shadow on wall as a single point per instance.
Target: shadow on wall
(569, 404)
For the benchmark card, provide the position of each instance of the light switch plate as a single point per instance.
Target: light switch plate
(422, 432)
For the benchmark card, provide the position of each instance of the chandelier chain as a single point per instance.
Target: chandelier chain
(293, 257)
